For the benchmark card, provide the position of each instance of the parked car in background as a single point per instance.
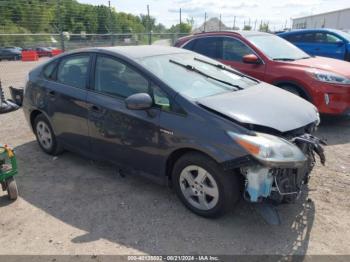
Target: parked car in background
(43, 51)
(323, 81)
(10, 54)
(14, 47)
(177, 116)
(321, 42)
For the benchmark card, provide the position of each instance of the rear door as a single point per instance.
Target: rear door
(305, 41)
(66, 89)
(120, 135)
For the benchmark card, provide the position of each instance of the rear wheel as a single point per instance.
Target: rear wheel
(45, 136)
(12, 190)
(203, 186)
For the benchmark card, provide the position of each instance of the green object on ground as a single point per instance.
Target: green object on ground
(8, 169)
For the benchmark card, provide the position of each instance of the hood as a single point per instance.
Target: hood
(263, 105)
(325, 63)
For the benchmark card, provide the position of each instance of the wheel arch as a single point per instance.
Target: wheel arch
(305, 94)
(176, 154)
(34, 114)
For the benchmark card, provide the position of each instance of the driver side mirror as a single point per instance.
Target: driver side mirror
(140, 101)
(251, 59)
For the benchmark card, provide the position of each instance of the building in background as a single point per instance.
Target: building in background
(339, 19)
(213, 24)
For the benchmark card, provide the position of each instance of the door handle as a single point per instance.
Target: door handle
(95, 108)
(52, 93)
(317, 49)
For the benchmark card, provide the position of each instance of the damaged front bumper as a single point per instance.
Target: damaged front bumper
(282, 182)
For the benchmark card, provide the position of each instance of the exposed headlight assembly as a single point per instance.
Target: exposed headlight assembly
(329, 77)
(271, 150)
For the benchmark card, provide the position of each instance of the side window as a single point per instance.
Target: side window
(307, 38)
(294, 38)
(234, 50)
(207, 46)
(115, 78)
(160, 98)
(49, 70)
(73, 71)
(333, 39)
(189, 45)
(162, 101)
(320, 38)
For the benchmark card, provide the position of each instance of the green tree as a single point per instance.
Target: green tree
(264, 27)
(247, 28)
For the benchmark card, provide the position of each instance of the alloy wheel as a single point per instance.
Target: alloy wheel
(44, 135)
(199, 187)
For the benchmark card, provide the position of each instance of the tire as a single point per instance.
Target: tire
(210, 194)
(292, 90)
(46, 137)
(12, 190)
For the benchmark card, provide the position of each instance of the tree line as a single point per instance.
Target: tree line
(53, 16)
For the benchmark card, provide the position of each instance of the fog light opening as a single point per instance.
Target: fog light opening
(326, 99)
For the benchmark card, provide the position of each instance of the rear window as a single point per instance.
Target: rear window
(73, 71)
(208, 46)
(49, 70)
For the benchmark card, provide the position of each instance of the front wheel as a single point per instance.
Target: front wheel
(291, 89)
(203, 186)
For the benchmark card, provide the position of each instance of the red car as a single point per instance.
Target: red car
(43, 51)
(323, 81)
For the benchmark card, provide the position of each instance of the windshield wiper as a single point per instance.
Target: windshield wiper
(222, 67)
(193, 69)
(283, 59)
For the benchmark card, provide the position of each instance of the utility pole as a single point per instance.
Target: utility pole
(205, 20)
(60, 26)
(180, 22)
(255, 24)
(234, 23)
(220, 23)
(110, 23)
(149, 27)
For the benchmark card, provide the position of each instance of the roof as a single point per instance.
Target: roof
(239, 32)
(137, 52)
(309, 30)
(142, 51)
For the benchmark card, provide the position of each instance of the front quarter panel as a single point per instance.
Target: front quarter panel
(199, 130)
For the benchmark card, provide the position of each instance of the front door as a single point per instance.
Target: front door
(232, 52)
(329, 45)
(127, 137)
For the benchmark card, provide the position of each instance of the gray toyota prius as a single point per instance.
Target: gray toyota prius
(211, 132)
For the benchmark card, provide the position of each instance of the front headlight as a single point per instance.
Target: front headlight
(270, 150)
(328, 77)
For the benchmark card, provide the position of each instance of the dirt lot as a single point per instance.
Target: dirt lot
(70, 205)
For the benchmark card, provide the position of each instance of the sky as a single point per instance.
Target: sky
(277, 13)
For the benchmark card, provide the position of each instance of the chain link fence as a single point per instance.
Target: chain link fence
(13, 73)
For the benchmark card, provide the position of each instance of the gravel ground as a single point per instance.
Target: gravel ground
(70, 205)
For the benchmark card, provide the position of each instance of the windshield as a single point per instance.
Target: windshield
(190, 83)
(343, 34)
(277, 48)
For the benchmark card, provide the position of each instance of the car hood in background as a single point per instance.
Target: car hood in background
(263, 105)
(325, 63)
